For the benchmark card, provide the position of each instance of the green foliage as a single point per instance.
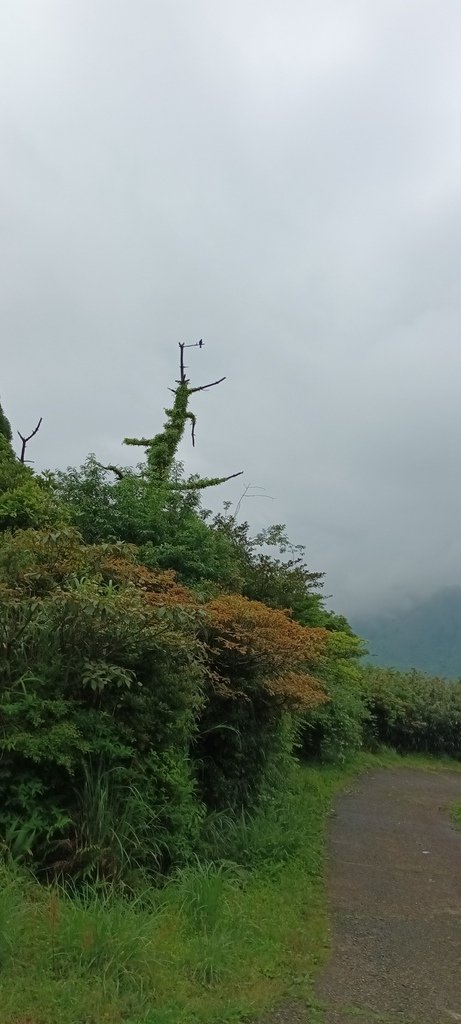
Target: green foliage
(114, 830)
(337, 729)
(414, 712)
(217, 944)
(105, 696)
(5, 426)
(91, 674)
(25, 500)
(161, 450)
(456, 814)
(239, 741)
(262, 664)
(240, 745)
(161, 520)
(12, 914)
(279, 581)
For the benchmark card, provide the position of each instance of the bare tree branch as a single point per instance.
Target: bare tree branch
(182, 367)
(198, 485)
(224, 479)
(25, 440)
(191, 391)
(246, 494)
(205, 386)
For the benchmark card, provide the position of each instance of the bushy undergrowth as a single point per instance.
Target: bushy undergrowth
(216, 944)
(100, 690)
(127, 705)
(411, 711)
(337, 729)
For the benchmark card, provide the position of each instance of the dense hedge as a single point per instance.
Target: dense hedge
(99, 669)
(338, 728)
(128, 706)
(411, 711)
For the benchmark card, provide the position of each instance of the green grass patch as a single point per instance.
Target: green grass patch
(388, 758)
(218, 944)
(231, 934)
(456, 814)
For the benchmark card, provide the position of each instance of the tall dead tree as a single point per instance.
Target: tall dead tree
(25, 440)
(161, 450)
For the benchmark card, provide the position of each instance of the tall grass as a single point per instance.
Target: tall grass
(232, 932)
(216, 944)
(12, 916)
(114, 833)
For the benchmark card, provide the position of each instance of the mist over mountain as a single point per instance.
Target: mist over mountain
(426, 636)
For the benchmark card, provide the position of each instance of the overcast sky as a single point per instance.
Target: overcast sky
(282, 179)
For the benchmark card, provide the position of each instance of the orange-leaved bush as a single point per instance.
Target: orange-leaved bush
(157, 586)
(36, 561)
(262, 673)
(247, 639)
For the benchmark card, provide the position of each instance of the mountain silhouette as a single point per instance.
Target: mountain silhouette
(427, 636)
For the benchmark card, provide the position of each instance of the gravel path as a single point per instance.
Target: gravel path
(395, 899)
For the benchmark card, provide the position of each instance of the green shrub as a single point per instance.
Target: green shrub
(99, 675)
(414, 712)
(261, 672)
(163, 521)
(25, 500)
(335, 730)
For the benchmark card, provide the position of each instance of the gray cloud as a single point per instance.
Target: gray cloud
(282, 179)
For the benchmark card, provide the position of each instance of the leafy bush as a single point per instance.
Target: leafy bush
(101, 666)
(280, 580)
(336, 729)
(163, 521)
(111, 703)
(261, 664)
(25, 500)
(414, 712)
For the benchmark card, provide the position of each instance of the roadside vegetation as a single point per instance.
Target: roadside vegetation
(457, 814)
(178, 709)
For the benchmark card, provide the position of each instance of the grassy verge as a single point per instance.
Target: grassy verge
(223, 940)
(456, 814)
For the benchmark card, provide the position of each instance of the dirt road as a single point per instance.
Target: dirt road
(395, 902)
